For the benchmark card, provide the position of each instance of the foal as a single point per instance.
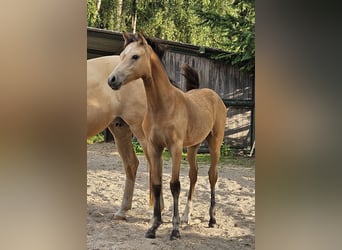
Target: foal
(174, 120)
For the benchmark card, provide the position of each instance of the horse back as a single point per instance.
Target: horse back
(206, 100)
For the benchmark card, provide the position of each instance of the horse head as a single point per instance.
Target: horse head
(134, 61)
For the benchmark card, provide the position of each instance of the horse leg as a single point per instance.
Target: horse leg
(143, 145)
(123, 139)
(154, 157)
(214, 143)
(193, 171)
(176, 154)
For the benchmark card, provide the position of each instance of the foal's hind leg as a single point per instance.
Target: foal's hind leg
(123, 139)
(193, 171)
(214, 143)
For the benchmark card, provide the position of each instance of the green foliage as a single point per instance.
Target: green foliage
(96, 138)
(107, 13)
(228, 25)
(137, 147)
(225, 150)
(91, 13)
(234, 24)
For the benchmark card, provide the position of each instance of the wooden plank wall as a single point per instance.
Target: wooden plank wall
(229, 83)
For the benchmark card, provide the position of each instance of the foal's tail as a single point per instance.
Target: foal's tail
(191, 77)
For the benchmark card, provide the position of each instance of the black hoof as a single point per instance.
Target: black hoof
(212, 222)
(151, 234)
(175, 235)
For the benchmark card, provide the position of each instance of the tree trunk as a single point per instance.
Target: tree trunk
(98, 5)
(118, 15)
(134, 15)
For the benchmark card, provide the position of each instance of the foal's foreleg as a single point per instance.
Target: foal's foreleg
(176, 154)
(150, 181)
(123, 139)
(193, 171)
(154, 157)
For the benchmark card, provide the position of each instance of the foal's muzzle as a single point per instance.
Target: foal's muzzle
(113, 83)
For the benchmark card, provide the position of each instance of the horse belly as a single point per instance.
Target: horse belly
(99, 116)
(200, 124)
(196, 136)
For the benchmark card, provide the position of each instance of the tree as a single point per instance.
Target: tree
(91, 13)
(228, 25)
(134, 15)
(233, 22)
(118, 17)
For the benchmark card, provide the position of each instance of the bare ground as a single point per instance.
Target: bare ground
(235, 206)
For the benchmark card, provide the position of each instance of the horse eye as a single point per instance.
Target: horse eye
(135, 57)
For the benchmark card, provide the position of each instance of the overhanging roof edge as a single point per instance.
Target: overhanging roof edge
(171, 45)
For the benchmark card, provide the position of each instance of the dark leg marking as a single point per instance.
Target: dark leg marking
(151, 232)
(212, 220)
(175, 190)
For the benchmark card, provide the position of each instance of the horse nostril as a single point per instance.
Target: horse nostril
(111, 80)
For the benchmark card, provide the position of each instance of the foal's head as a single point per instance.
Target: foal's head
(135, 61)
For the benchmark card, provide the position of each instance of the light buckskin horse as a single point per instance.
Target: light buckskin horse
(173, 120)
(122, 112)
(119, 112)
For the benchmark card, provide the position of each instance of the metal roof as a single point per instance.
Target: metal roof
(102, 42)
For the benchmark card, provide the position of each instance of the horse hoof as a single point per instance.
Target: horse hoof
(185, 220)
(119, 216)
(212, 222)
(175, 235)
(150, 234)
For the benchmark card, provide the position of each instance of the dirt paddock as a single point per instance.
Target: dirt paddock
(235, 206)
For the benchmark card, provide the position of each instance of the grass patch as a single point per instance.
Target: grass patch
(224, 159)
(228, 156)
(96, 138)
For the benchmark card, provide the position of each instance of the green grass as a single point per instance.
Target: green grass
(96, 138)
(231, 157)
(228, 155)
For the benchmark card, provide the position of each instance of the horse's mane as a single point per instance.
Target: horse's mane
(157, 47)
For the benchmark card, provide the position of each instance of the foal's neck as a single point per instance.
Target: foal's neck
(157, 86)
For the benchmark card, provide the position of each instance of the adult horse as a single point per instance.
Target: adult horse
(122, 112)
(174, 120)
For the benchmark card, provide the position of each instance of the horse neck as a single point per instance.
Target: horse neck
(157, 86)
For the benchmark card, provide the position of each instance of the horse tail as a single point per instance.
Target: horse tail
(191, 77)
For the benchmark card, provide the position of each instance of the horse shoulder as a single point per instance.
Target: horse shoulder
(133, 101)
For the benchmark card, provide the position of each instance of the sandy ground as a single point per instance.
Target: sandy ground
(235, 209)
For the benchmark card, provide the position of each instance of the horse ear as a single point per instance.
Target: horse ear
(140, 37)
(128, 37)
